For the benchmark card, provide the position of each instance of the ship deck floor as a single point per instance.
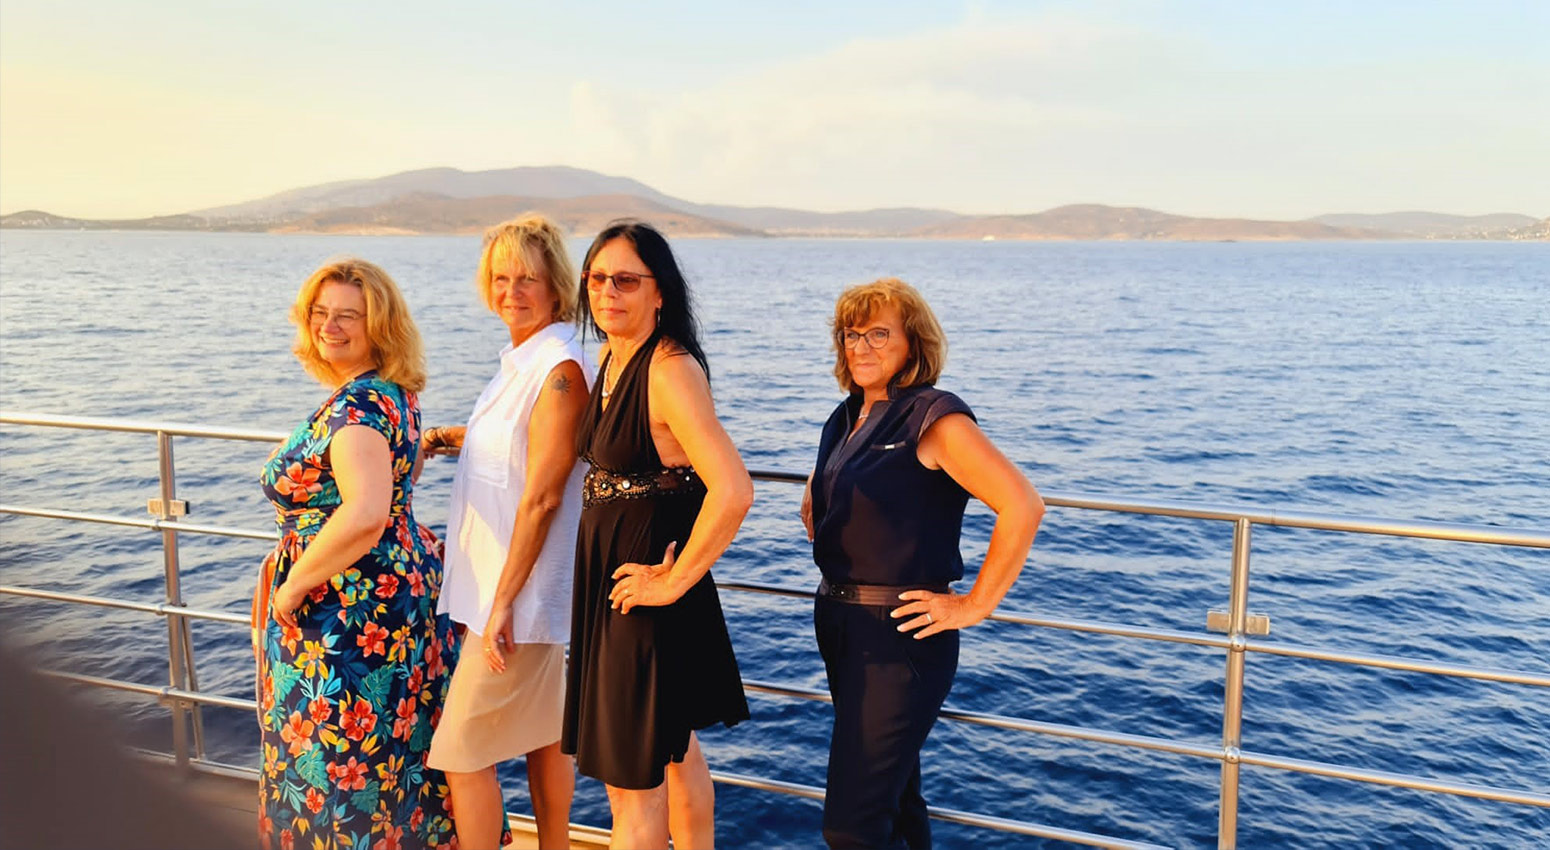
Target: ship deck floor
(234, 803)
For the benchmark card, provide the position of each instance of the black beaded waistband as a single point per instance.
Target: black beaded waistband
(601, 486)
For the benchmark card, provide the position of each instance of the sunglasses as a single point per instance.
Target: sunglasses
(623, 281)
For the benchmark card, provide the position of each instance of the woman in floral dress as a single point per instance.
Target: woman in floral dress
(352, 659)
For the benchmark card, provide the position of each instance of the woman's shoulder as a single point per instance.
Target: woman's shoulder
(372, 383)
(562, 345)
(372, 391)
(671, 358)
(930, 403)
(667, 347)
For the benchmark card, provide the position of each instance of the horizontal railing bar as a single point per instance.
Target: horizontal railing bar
(1493, 674)
(1116, 629)
(1145, 742)
(1285, 517)
(160, 608)
(1217, 753)
(1038, 830)
(1294, 518)
(777, 475)
(112, 684)
(1093, 626)
(199, 765)
(786, 690)
(93, 423)
(1141, 632)
(768, 589)
(1390, 662)
(1398, 780)
(813, 792)
(151, 523)
(1199, 750)
(519, 822)
(1082, 733)
(164, 692)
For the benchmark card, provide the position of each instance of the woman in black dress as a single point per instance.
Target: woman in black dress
(650, 657)
(897, 463)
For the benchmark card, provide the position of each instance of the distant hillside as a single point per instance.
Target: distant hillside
(449, 200)
(554, 182)
(1095, 221)
(778, 221)
(1539, 230)
(530, 182)
(426, 213)
(1430, 225)
(39, 220)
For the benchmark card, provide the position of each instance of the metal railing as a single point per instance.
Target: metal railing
(183, 696)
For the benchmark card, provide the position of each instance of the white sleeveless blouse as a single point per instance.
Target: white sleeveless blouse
(491, 474)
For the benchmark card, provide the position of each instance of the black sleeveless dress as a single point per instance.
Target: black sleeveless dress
(638, 683)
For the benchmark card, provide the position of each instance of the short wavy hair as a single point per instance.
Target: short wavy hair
(528, 236)
(395, 341)
(928, 344)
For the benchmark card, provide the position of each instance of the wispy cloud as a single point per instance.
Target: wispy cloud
(895, 121)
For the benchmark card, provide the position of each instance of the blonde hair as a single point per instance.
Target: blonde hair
(516, 239)
(927, 342)
(395, 341)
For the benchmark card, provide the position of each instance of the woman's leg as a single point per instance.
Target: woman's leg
(551, 778)
(640, 818)
(887, 690)
(691, 801)
(478, 811)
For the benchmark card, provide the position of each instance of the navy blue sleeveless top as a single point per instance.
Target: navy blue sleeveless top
(879, 516)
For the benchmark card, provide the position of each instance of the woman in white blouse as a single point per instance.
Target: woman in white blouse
(511, 539)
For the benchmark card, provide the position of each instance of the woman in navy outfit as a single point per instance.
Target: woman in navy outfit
(897, 463)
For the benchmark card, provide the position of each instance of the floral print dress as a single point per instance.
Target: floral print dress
(348, 702)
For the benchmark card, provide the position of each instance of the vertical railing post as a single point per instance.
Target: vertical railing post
(180, 645)
(1232, 697)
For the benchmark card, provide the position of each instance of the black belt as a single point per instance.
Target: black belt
(872, 594)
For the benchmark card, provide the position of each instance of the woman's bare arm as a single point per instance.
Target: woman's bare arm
(680, 394)
(956, 445)
(363, 469)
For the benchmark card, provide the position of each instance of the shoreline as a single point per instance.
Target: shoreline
(808, 236)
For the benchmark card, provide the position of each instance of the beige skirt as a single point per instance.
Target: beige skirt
(490, 717)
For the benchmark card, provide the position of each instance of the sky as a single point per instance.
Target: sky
(1281, 110)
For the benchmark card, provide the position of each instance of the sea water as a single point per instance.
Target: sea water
(1401, 380)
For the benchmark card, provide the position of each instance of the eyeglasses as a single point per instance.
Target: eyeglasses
(875, 338)
(344, 317)
(623, 281)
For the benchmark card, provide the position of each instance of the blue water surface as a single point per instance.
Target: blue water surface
(1403, 380)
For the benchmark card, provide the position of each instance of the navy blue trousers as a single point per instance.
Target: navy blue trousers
(887, 689)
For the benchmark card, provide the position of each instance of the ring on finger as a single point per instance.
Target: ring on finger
(929, 618)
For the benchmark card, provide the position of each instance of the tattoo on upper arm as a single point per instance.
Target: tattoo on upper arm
(560, 384)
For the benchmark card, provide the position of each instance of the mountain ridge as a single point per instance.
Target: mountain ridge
(450, 200)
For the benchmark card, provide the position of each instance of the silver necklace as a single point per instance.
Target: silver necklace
(609, 390)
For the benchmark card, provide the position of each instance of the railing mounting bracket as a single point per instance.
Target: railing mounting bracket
(175, 507)
(1258, 624)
